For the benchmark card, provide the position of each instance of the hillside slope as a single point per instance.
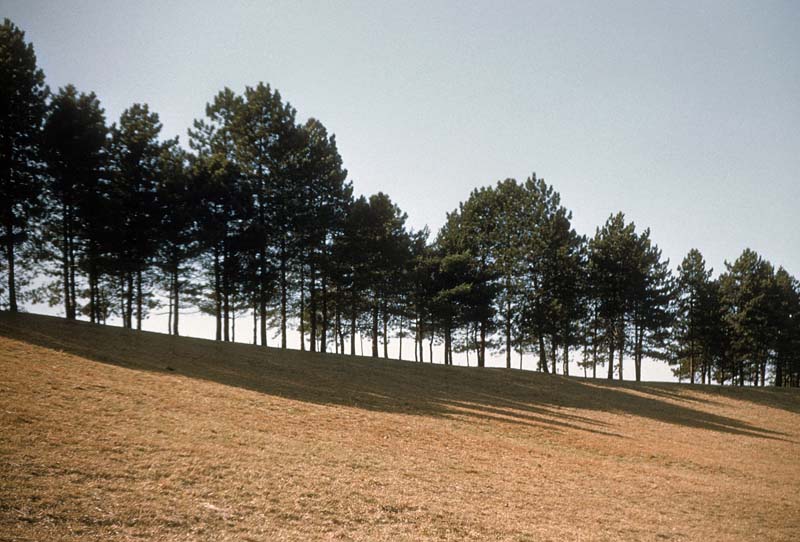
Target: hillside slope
(111, 434)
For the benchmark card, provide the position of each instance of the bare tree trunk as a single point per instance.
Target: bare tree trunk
(375, 329)
(69, 310)
(400, 337)
(482, 355)
(302, 308)
(169, 313)
(353, 325)
(175, 320)
(542, 354)
(385, 334)
(283, 294)
(217, 295)
(262, 304)
(226, 309)
(12, 287)
(129, 307)
(508, 334)
(312, 298)
(323, 341)
(65, 272)
(92, 293)
(139, 300)
(73, 296)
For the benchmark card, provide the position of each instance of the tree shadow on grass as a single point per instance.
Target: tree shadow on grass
(392, 386)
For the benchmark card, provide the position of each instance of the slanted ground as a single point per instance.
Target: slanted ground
(110, 434)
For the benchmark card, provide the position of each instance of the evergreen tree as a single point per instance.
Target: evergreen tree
(268, 149)
(612, 269)
(651, 304)
(74, 146)
(695, 317)
(747, 292)
(178, 201)
(323, 203)
(224, 212)
(787, 327)
(136, 157)
(22, 108)
(477, 231)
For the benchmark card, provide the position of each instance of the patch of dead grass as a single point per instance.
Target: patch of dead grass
(101, 442)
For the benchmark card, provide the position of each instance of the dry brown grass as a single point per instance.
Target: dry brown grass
(110, 434)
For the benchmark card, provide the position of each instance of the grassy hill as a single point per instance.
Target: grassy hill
(111, 434)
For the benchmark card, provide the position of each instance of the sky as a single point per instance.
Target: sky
(683, 115)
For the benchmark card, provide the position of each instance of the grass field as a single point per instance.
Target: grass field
(110, 434)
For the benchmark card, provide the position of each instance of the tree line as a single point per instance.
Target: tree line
(256, 223)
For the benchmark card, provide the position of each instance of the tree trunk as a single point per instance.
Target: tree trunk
(217, 295)
(400, 337)
(177, 303)
(65, 272)
(508, 334)
(139, 300)
(12, 290)
(169, 314)
(447, 344)
(262, 303)
(421, 344)
(226, 302)
(312, 299)
(639, 354)
(385, 334)
(323, 340)
(542, 354)
(129, 299)
(283, 294)
(375, 329)
(302, 308)
(73, 296)
(353, 326)
(482, 354)
(92, 292)
(68, 311)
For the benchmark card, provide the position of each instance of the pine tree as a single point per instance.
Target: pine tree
(747, 291)
(695, 313)
(178, 200)
(612, 266)
(651, 304)
(22, 108)
(787, 328)
(74, 146)
(136, 157)
(268, 149)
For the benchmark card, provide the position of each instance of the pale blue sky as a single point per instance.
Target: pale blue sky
(683, 115)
